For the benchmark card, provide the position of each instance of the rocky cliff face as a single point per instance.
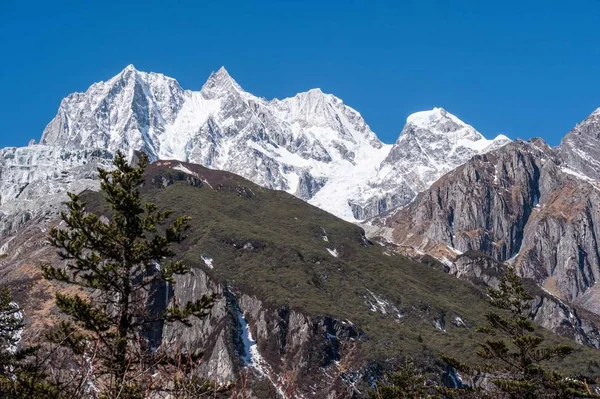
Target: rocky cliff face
(525, 203)
(34, 181)
(579, 148)
(279, 350)
(546, 309)
(483, 205)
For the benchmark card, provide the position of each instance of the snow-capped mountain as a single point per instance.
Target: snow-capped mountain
(311, 145)
(431, 144)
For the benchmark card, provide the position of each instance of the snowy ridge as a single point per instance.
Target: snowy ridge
(311, 145)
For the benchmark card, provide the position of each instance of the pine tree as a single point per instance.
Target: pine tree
(515, 354)
(119, 260)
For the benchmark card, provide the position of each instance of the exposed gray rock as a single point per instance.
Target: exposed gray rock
(309, 185)
(400, 195)
(483, 205)
(580, 149)
(524, 203)
(34, 181)
(477, 268)
(546, 309)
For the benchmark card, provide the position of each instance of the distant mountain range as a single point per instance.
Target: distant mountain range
(311, 145)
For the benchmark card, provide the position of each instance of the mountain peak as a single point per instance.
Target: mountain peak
(596, 112)
(316, 90)
(591, 118)
(430, 118)
(221, 81)
(125, 73)
(590, 126)
(580, 148)
(129, 67)
(222, 72)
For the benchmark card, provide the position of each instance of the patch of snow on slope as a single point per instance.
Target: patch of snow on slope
(458, 322)
(446, 261)
(594, 183)
(208, 261)
(348, 182)
(577, 175)
(382, 306)
(454, 250)
(252, 357)
(333, 252)
(183, 169)
(437, 323)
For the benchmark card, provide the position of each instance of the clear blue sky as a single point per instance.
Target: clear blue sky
(522, 68)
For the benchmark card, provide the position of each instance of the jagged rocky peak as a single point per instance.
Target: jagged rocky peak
(296, 144)
(220, 83)
(580, 148)
(128, 70)
(125, 112)
(328, 117)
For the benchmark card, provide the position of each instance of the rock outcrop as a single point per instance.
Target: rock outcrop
(579, 148)
(546, 309)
